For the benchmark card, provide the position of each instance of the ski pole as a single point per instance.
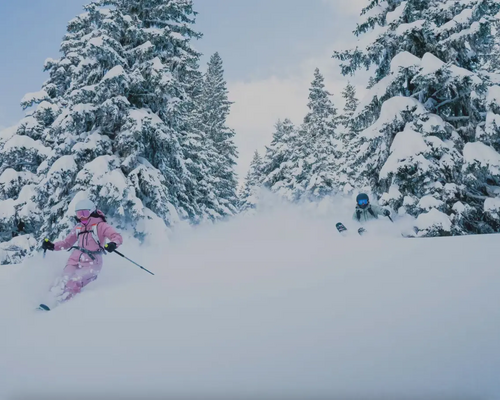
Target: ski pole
(390, 218)
(45, 250)
(133, 262)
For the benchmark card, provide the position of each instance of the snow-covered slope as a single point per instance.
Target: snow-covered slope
(276, 305)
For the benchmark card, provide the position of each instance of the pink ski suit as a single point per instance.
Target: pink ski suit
(82, 267)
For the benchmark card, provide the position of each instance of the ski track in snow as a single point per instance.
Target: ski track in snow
(276, 305)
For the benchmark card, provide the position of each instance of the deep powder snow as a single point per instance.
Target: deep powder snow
(276, 305)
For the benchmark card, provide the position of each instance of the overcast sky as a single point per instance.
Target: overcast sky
(270, 49)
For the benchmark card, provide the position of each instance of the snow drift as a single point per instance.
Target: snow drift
(276, 305)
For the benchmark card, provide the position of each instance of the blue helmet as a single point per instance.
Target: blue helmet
(362, 200)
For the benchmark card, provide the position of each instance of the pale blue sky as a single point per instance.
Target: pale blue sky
(269, 47)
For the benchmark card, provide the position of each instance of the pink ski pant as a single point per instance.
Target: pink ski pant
(76, 275)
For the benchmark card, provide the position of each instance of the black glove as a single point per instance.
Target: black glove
(387, 213)
(110, 247)
(48, 245)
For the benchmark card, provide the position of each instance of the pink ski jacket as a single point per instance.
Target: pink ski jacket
(82, 236)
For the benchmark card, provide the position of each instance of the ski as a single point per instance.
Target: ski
(362, 231)
(341, 228)
(43, 307)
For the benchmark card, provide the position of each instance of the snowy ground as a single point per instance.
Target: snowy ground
(273, 306)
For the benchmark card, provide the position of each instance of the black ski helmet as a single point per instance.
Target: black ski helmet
(361, 197)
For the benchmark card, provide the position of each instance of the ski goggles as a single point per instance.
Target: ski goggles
(83, 213)
(363, 202)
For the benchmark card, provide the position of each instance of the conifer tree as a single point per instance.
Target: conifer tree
(249, 196)
(316, 148)
(110, 123)
(430, 52)
(215, 108)
(277, 162)
(351, 103)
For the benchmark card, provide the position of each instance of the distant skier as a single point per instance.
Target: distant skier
(365, 211)
(87, 240)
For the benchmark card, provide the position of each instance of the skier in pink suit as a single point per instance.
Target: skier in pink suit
(87, 240)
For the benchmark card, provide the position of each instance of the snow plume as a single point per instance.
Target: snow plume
(273, 306)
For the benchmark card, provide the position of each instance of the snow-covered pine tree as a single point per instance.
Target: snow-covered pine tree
(108, 124)
(428, 51)
(315, 152)
(351, 103)
(454, 31)
(200, 155)
(277, 162)
(482, 157)
(347, 133)
(481, 171)
(215, 108)
(249, 196)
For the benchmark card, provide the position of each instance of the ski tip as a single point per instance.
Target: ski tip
(43, 307)
(341, 228)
